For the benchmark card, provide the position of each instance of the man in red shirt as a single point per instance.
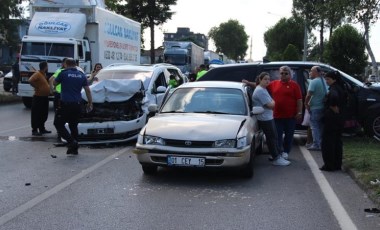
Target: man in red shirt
(288, 108)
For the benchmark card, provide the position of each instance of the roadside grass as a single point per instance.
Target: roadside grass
(362, 156)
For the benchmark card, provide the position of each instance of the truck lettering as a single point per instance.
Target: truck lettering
(122, 32)
(53, 26)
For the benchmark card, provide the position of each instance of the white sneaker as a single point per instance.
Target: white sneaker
(281, 162)
(285, 155)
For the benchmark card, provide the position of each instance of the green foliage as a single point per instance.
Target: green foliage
(8, 27)
(149, 13)
(346, 50)
(230, 39)
(291, 53)
(283, 33)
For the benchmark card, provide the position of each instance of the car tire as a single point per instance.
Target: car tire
(372, 126)
(260, 147)
(27, 101)
(7, 89)
(149, 169)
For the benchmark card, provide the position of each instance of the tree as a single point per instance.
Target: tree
(366, 12)
(149, 13)
(321, 13)
(291, 53)
(230, 39)
(346, 50)
(9, 9)
(283, 33)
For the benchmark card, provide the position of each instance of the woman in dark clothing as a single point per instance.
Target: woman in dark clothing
(333, 122)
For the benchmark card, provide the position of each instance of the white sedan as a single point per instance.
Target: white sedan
(202, 124)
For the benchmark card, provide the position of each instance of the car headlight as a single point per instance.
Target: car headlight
(241, 142)
(152, 140)
(228, 143)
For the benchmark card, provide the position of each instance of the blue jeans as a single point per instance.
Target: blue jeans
(316, 126)
(287, 126)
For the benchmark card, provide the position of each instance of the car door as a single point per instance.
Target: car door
(159, 79)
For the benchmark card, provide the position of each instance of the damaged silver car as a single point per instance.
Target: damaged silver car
(120, 101)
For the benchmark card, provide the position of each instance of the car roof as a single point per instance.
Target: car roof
(274, 63)
(213, 84)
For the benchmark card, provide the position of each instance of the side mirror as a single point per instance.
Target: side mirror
(88, 56)
(161, 89)
(257, 110)
(152, 108)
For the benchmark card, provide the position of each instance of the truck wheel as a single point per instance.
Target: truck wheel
(149, 169)
(372, 127)
(27, 102)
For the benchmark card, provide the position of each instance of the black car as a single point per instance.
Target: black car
(363, 101)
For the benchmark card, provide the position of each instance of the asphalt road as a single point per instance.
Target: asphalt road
(104, 188)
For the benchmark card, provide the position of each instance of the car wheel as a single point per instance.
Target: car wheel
(149, 169)
(372, 127)
(27, 102)
(7, 88)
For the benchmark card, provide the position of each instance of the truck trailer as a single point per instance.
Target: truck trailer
(82, 30)
(187, 56)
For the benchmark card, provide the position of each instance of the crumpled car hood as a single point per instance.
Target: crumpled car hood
(114, 90)
(202, 127)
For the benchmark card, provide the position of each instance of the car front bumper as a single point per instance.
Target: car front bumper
(214, 157)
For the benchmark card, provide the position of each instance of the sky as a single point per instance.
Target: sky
(256, 16)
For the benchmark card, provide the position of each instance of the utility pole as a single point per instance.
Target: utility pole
(304, 41)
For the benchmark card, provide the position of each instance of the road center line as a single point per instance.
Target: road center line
(38, 199)
(336, 206)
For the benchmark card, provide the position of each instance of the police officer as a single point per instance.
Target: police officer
(57, 97)
(72, 81)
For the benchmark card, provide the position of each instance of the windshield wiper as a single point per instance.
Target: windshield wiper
(211, 112)
(173, 111)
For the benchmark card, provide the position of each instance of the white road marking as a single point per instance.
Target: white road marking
(336, 206)
(38, 199)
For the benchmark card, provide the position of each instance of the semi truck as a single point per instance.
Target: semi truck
(82, 30)
(187, 56)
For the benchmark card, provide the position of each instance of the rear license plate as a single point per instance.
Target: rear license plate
(100, 131)
(186, 161)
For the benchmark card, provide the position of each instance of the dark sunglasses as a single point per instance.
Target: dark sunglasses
(284, 73)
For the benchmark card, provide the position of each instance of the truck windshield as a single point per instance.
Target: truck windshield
(47, 49)
(175, 59)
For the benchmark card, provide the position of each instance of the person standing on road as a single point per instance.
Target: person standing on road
(15, 75)
(333, 121)
(40, 101)
(57, 95)
(261, 97)
(202, 71)
(72, 81)
(314, 104)
(288, 109)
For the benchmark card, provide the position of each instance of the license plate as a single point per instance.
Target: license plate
(100, 131)
(186, 161)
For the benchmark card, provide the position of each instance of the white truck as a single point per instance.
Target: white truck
(210, 55)
(82, 30)
(187, 56)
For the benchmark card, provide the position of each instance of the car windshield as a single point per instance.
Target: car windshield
(206, 100)
(175, 59)
(144, 76)
(47, 49)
